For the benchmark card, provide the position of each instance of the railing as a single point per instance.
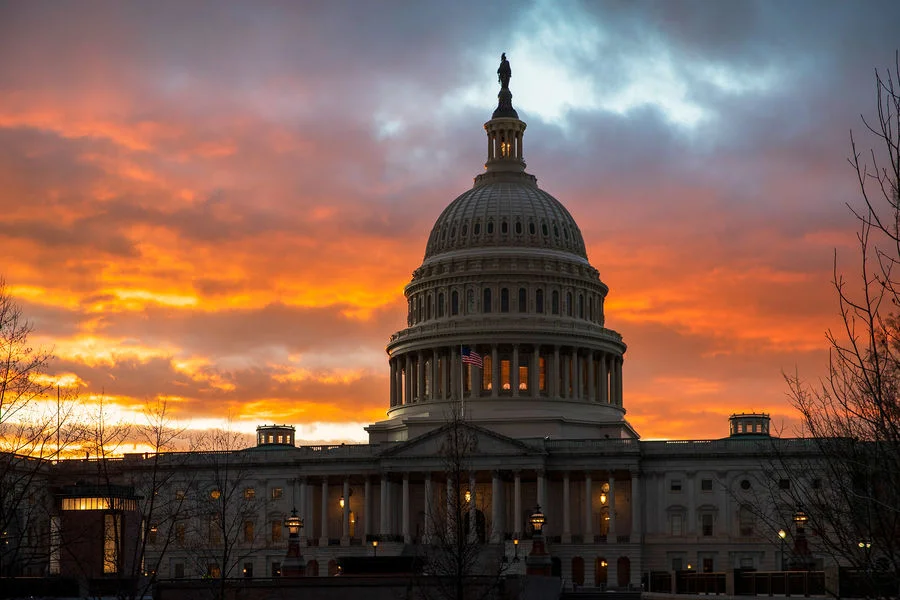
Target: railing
(532, 323)
(779, 583)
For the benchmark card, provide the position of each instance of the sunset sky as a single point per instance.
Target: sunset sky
(220, 203)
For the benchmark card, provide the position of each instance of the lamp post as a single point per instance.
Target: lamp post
(293, 562)
(803, 559)
(782, 534)
(867, 546)
(516, 546)
(538, 561)
(374, 547)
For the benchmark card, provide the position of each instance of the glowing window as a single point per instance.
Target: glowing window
(112, 527)
(249, 493)
(277, 493)
(504, 375)
(215, 494)
(276, 530)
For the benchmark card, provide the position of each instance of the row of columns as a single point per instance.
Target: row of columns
(437, 374)
(499, 526)
(512, 136)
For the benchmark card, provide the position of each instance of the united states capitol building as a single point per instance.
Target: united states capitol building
(506, 338)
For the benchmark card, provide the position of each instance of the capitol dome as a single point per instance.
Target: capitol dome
(505, 321)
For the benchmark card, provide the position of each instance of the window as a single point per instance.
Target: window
(580, 306)
(112, 532)
(677, 564)
(568, 304)
(504, 300)
(248, 532)
(486, 300)
(554, 302)
(784, 484)
(440, 305)
(428, 305)
(675, 485)
(518, 228)
(179, 534)
(504, 227)
(248, 569)
(490, 227)
(454, 303)
(706, 485)
(213, 571)
(249, 493)
(676, 524)
(276, 530)
(152, 534)
(523, 300)
(179, 570)
(477, 229)
(745, 484)
(277, 493)
(706, 521)
(746, 520)
(276, 569)
(544, 229)
(708, 565)
(470, 302)
(531, 228)
(487, 373)
(179, 494)
(539, 301)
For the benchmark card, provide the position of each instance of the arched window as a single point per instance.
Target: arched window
(554, 302)
(428, 305)
(504, 227)
(539, 301)
(518, 228)
(490, 227)
(580, 306)
(440, 305)
(523, 300)
(454, 303)
(470, 302)
(531, 228)
(477, 229)
(590, 308)
(568, 304)
(504, 300)
(486, 300)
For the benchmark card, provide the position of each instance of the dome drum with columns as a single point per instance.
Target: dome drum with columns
(506, 275)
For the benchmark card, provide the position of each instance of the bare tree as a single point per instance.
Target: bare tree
(225, 509)
(457, 564)
(849, 487)
(33, 432)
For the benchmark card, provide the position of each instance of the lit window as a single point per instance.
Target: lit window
(112, 532)
(276, 530)
(249, 493)
(277, 492)
(215, 494)
(248, 532)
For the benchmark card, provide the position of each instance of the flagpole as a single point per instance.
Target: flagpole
(462, 386)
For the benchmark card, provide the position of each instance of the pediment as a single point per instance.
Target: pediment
(472, 439)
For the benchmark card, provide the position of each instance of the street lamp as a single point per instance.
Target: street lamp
(538, 561)
(867, 546)
(293, 564)
(375, 547)
(516, 546)
(537, 520)
(782, 534)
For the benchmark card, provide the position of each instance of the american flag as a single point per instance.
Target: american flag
(470, 357)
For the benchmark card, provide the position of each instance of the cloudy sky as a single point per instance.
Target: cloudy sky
(220, 203)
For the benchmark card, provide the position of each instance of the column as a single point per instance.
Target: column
(517, 506)
(636, 512)
(612, 380)
(554, 374)
(619, 381)
(420, 371)
(567, 518)
(451, 374)
(451, 514)
(495, 371)
(473, 524)
(576, 374)
(535, 372)
(345, 517)
(514, 371)
(383, 525)
(496, 508)
(604, 380)
(611, 498)
(566, 358)
(592, 396)
(410, 381)
(588, 510)
(429, 510)
(435, 384)
(304, 496)
(541, 499)
(323, 539)
(404, 519)
(393, 382)
(367, 510)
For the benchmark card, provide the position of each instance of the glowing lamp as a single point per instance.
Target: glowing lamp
(468, 496)
(293, 523)
(537, 519)
(782, 533)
